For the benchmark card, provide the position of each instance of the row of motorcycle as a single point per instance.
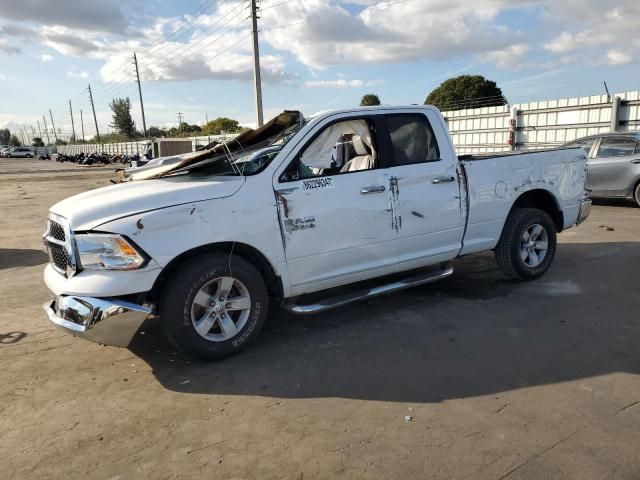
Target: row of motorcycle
(98, 158)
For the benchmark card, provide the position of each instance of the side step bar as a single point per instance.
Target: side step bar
(340, 300)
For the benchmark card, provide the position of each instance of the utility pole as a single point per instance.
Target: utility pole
(206, 116)
(95, 120)
(82, 124)
(144, 122)
(180, 121)
(45, 129)
(256, 63)
(73, 127)
(53, 125)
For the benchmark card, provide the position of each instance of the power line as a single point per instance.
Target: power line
(169, 56)
(276, 5)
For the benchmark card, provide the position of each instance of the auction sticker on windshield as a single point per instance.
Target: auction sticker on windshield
(317, 184)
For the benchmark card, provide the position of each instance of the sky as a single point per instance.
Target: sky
(195, 56)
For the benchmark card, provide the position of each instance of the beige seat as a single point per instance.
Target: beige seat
(363, 159)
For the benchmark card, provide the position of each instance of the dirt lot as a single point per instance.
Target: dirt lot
(474, 377)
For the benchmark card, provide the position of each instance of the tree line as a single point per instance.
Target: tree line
(464, 91)
(126, 131)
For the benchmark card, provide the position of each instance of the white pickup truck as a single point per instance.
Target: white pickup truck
(302, 213)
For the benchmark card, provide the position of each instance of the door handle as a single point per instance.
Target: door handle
(287, 191)
(372, 189)
(438, 180)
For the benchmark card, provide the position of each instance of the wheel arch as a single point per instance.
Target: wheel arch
(251, 254)
(543, 200)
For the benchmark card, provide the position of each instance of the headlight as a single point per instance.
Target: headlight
(102, 251)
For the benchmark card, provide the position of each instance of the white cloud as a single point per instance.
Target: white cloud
(593, 32)
(2, 77)
(341, 83)
(74, 73)
(45, 57)
(509, 57)
(616, 57)
(322, 34)
(8, 48)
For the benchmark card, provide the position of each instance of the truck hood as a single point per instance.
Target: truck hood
(91, 209)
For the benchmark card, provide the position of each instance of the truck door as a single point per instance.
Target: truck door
(333, 205)
(425, 189)
(610, 171)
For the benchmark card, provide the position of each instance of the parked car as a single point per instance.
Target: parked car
(20, 152)
(613, 169)
(4, 150)
(208, 242)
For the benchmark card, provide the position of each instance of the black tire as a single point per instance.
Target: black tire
(29, 155)
(177, 300)
(636, 195)
(509, 248)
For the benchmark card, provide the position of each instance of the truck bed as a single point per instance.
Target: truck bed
(496, 181)
(485, 156)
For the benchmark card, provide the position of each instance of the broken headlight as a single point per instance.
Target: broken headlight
(105, 251)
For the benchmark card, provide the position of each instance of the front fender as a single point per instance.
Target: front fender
(170, 232)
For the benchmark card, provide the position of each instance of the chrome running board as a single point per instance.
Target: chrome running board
(340, 300)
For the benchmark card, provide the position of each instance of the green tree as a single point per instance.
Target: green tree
(221, 125)
(14, 141)
(5, 136)
(37, 142)
(369, 100)
(187, 129)
(466, 91)
(59, 141)
(156, 132)
(122, 120)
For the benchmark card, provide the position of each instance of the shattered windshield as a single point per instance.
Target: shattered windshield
(240, 163)
(243, 164)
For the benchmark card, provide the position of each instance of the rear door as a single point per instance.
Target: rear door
(425, 189)
(610, 171)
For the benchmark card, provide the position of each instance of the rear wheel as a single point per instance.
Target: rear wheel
(636, 194)
(527, 246)
(214, 306)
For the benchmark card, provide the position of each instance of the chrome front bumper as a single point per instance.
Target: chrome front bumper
(585, 211)
(108, 322)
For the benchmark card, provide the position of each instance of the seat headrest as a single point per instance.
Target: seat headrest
(360, 145)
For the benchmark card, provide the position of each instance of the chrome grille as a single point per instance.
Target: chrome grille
(58, 257)
(56, 231)
(60, 245)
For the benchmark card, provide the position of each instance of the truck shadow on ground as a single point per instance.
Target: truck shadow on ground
(21, 257)
(475, 333)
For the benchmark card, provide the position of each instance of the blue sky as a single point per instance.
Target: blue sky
(195, 55)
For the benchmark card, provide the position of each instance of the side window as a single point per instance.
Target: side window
(584, 143)
(616, 147)
(412, 139)
(341, 147)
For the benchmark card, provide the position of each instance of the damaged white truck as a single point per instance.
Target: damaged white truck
(306, 214)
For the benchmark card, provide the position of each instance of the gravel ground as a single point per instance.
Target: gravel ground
(473, 377)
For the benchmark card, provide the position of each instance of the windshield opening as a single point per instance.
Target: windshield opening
(241, 163)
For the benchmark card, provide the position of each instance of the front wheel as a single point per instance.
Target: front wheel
(527, 245)
(214, 306)
(636, 195)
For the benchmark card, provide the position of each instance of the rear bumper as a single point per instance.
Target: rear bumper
(105, 321)
(585, 211)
